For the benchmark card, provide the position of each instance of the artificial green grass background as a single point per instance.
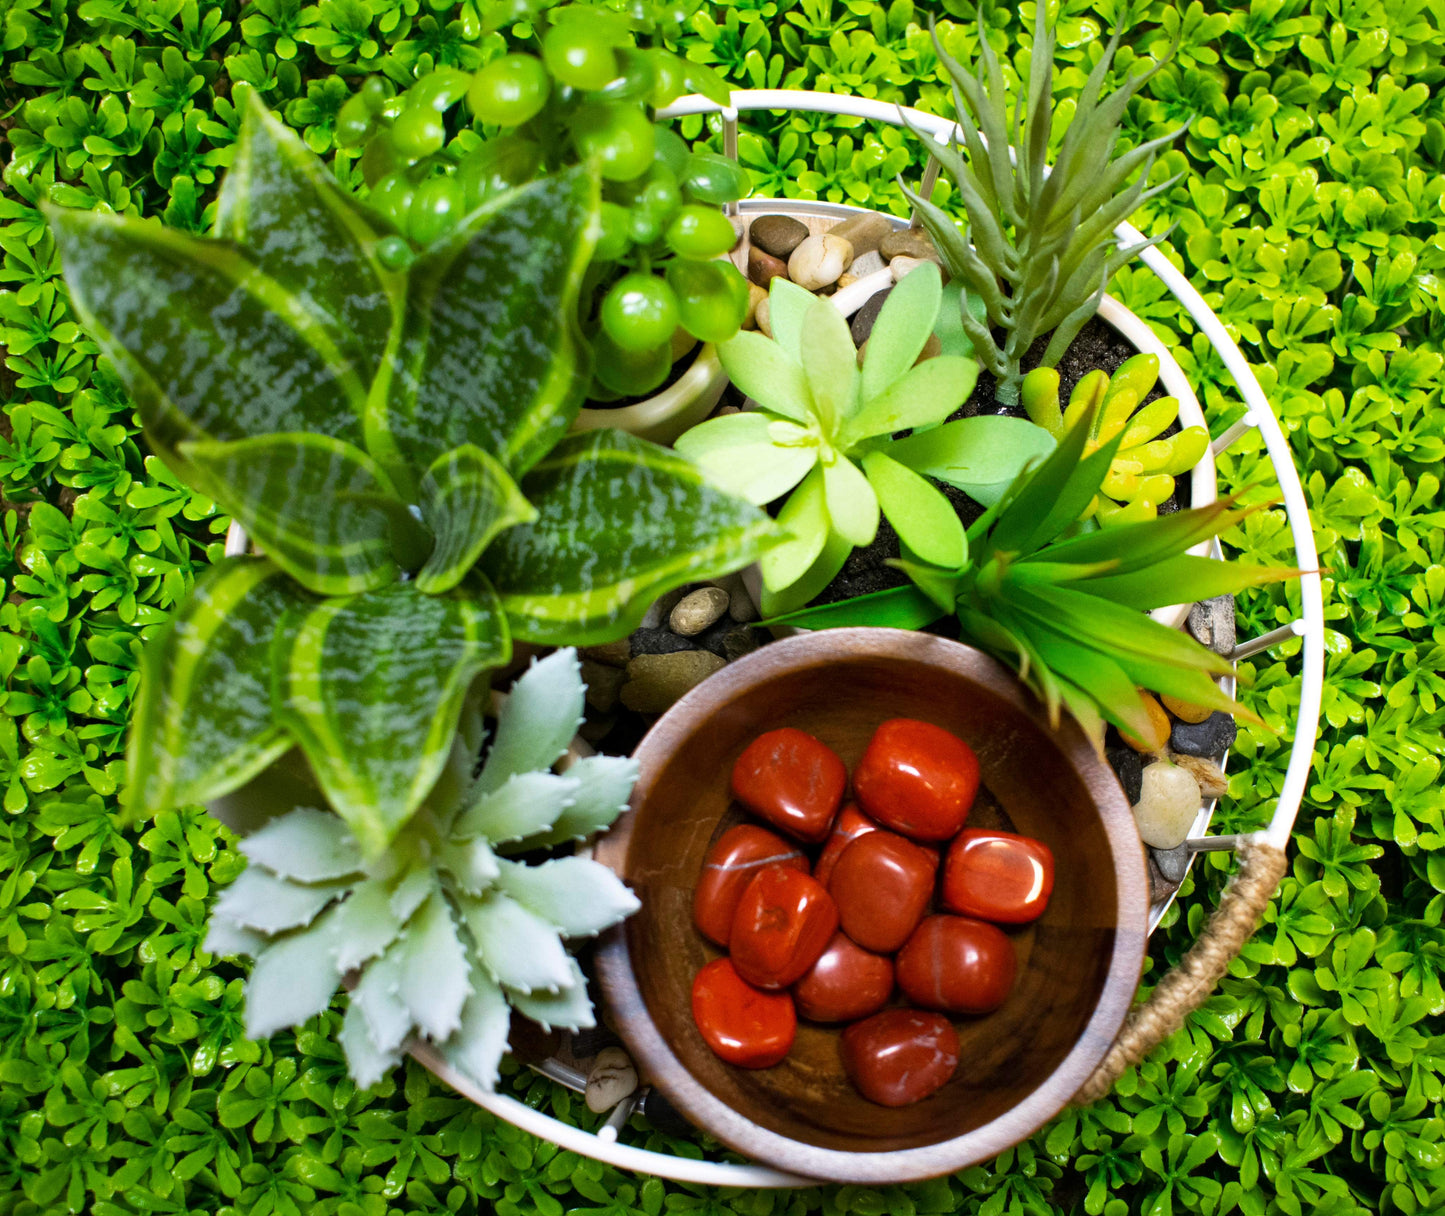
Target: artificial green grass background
(1310, 214)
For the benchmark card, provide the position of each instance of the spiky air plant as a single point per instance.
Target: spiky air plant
(1144, 468)
(1067, 608)
(1040, 246)
(444, 934)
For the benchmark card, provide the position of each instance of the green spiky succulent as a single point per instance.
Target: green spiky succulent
(1040, 246)
(1142, 474)
(1067, 607)
(444, 933)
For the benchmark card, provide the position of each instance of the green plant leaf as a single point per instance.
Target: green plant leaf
(320, 508)
(852, 504)
(921, 396)
(569, 1007)
(259, 900)
(363, 924)
(210, 347)
(522, 806)
(804, 518)
(981, 456)
(739, 455)
(467, 498)
(538, 721)
(762, 370)
(365, 1061)
(216, 652)
(903, 327)
(811, 583)
(578, 896)
(923, 518)
(476, 1050)
(604, 784)
(490, 351)
(519, 949)
(830, 363)
(788, 304)
(304, 845)
(1180, 580)
(292, 980)
(434, 969)
(619, 522)
(896, 608)
(373, 688)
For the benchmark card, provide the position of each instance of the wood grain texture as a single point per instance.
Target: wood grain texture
(1078, 966)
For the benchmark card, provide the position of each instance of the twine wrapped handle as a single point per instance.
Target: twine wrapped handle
(1189, 984)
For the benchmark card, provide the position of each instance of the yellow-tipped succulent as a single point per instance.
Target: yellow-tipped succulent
(1143, 470)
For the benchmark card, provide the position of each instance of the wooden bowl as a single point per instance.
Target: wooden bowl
(1079, 965)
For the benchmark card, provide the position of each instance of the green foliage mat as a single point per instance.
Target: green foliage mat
(1309, 213)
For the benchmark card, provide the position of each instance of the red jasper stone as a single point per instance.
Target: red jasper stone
(957, 964)
(845, 984)
(900, 1055)
(784, 922)
(734, 861)
(998, 876)
(742, 1025)
(917, 779)
(792, 781)
(850, 824)
(882, 885)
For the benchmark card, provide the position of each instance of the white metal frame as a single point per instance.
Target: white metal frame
(603, 1145)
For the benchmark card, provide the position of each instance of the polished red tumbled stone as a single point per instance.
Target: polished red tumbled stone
(882, 885)
(734, 861)
(957, 964)
(784, 921)
(742, 1025)
(845, 984)
(900, 1056)
(998, 876)
(917, 779)
(792, 780)
(847, 827)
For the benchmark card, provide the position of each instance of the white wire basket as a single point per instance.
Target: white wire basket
(604, 1145)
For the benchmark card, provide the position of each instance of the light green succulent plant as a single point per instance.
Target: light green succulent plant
(1040, 244)
(1142, 473)
(443, 933)
(825, 432)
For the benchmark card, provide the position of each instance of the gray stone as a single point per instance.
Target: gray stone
(819, 260)
(763, 267)
(697, 610)
(863, 232)
(741, 607)
(868, 263)
(865, 317)
(656, 681)
(740, 641)
(1169, 802)
(613, 1077)
(663, 1115)
(1212, 737)
(909, 243)
(1212, 623)
(664, 604)
(659, 641)
(603, 684)
(1129, 768)
(1172, 863)
(778, 234)
(614, 654)
(1213, 783)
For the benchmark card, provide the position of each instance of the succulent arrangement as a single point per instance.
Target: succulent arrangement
(442, 934)
(1040, 244)
(395, 443)
(582, 90)
(825, 431)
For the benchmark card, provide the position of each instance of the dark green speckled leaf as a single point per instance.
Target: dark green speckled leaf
(209, 347)
(491, 353)
(373, 689)
(466, 499)
(203, 722)
(619, 522)
(282, 204)
(321, 509)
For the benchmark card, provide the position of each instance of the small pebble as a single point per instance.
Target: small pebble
(901, 266)
(760, 319)
(863, 232)
(697, 610)
(1128, 768)
(846, 280)
(1183, 710)
(864, 318)
(613, 1077)
(1213, 782)
(656, 681)
(909, 243)
(657, 613)
(738, 642)
(1168, 805)
(1212, 737)
(865, 264)
(756, 297)
(614, 654)
(763, 267)
(603, 684)
(1212, 623)
(819, 260)
(778, 234)
(658, 641)
(740, 605)
(1159, 724)
(1173, 863)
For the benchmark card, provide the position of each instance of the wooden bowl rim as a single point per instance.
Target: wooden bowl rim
(655, 1056)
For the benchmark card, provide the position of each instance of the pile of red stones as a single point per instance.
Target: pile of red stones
(830, 940)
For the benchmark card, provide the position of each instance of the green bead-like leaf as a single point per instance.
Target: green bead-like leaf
(319, 507)
(373, 689)
(203, 722)
(467, 498)
(490, 352)
(620, 521)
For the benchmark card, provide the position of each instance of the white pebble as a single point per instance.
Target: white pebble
(1168, 804)
(819, 261)
(900, 266)
(613, 1077)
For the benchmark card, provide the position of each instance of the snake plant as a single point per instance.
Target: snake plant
(396, 444)
(1040, 244)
